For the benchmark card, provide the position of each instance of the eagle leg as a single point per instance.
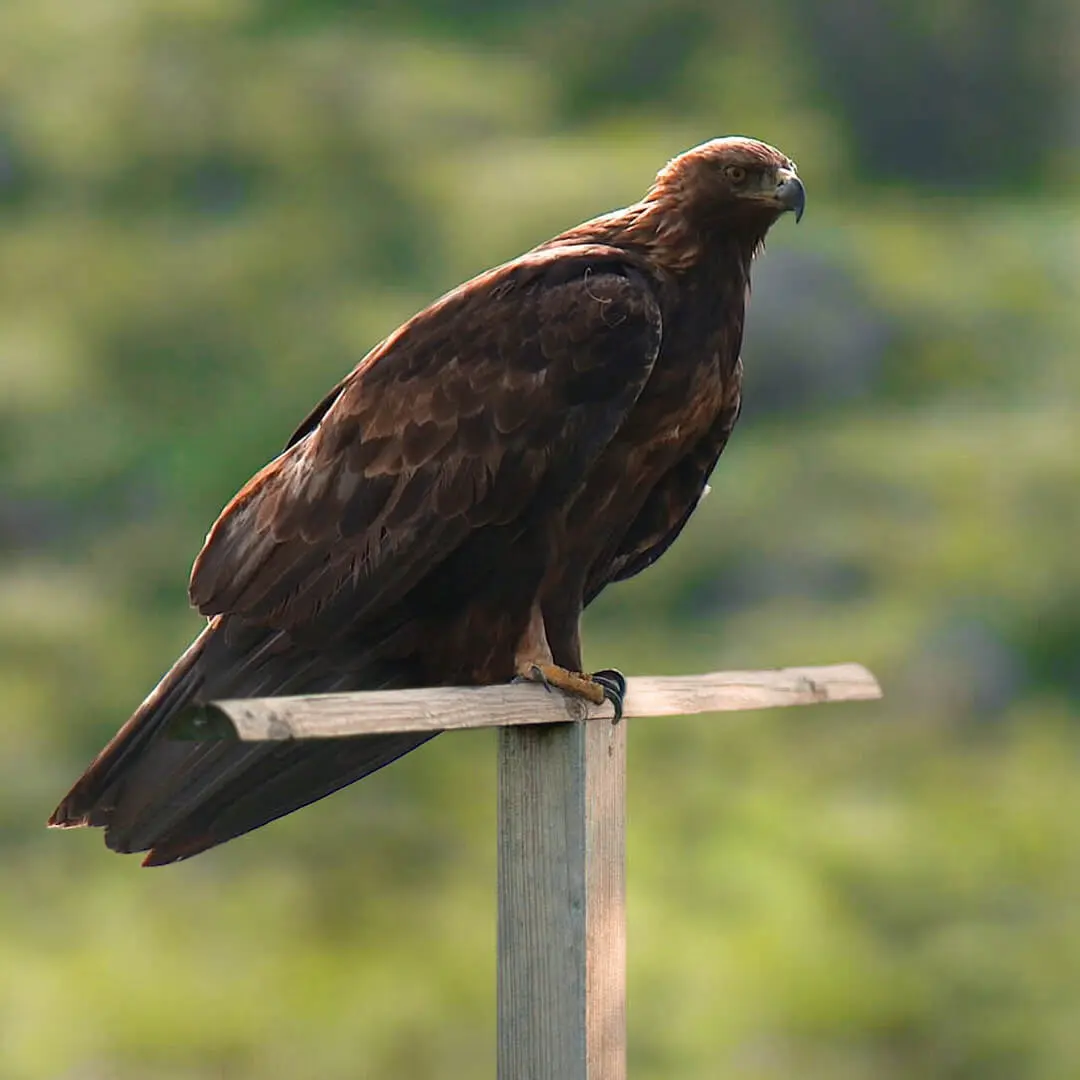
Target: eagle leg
(598, 688)
(534, 663)
(554, 677)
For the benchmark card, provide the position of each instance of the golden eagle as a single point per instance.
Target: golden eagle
(446, 512)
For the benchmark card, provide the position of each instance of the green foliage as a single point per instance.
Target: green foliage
(211, 209)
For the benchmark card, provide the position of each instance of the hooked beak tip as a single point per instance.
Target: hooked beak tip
(792, 196)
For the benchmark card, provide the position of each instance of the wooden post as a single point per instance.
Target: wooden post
(562, 900)
(562, 796)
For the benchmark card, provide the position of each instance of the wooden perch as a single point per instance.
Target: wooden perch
(562, 831)
(450, 708)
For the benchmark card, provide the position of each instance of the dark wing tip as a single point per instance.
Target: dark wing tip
(166, 854)
(63, 817)
(75, 810)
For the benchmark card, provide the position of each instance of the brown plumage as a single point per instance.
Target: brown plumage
(446, 512)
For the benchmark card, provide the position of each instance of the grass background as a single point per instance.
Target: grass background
(210, 209)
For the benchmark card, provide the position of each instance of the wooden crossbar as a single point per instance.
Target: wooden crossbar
(456, 707)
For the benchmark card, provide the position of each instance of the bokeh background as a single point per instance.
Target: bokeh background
(211, 209)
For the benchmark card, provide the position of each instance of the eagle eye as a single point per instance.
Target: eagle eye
(735, 173)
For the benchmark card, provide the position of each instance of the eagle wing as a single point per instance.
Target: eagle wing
(499, 394)
(670, 504)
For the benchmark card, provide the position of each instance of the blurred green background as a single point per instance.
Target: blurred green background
(210, 209)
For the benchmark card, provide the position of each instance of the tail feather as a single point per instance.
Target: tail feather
(175, 799)
(262, 786)
(89, 802)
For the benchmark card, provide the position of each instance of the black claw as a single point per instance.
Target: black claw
(614, 684)
(536, 676)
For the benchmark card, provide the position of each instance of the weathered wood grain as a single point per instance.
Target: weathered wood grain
(562, 898)
(449, 708)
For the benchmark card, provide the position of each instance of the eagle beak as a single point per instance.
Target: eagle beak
(790, 193)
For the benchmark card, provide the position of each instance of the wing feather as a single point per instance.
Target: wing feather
(506, 388)
(671, 503)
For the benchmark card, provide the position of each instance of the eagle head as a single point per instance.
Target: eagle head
(729, 185)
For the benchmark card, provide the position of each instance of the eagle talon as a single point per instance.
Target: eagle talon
(614, 684)
(535, 675)
(574, 683)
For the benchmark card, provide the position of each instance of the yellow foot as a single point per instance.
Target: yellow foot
(598, 688)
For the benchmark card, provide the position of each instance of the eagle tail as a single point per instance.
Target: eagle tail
(174, 798)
